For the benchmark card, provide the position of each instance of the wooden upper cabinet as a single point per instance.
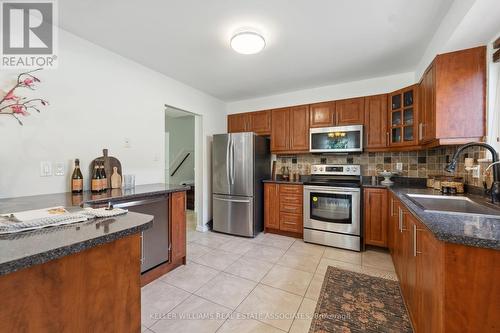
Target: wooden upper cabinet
(260, 122)
(376, 134)
(453, 97)
(280, 129)
(375, 216)
(427, 121)
(350, 111)
(299, 128)
(239, 122)
(403, 117)
(322, 114)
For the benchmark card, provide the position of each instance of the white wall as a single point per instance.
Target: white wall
(98, 99)
(181, 133)
(367, 87)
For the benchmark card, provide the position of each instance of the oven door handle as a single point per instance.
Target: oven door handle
(332, 190)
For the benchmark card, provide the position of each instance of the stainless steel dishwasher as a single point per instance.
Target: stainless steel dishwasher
(155, 243)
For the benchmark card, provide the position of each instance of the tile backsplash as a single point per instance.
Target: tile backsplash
(415, 163)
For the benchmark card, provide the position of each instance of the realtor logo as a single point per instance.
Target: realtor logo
(28, 34)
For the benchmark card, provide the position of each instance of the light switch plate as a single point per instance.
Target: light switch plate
(476, 171)
(399, 166)
(45, 169)
(59, 169)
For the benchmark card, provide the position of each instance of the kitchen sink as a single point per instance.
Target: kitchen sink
(452, 204)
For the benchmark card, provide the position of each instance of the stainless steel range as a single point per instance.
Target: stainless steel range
(332, 212)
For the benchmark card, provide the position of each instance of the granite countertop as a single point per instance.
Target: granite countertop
(70, 200)
(29, 248)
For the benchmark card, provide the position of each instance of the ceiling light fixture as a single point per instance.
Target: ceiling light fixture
(248, 42)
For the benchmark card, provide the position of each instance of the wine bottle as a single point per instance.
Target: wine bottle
(104, 179)
(77, 178)
(96, 179)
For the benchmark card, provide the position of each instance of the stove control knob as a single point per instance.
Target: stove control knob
(320, 168)
(348, 169)
(315, 169)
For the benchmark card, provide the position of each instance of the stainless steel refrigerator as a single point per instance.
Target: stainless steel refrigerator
(240, 161)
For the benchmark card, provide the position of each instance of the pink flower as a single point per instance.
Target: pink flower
(19, 109)
(28, 82)
(10, 96)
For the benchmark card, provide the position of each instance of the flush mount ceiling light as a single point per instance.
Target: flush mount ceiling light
(248, 42)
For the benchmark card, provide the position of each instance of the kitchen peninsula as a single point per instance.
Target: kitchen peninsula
(84, 276)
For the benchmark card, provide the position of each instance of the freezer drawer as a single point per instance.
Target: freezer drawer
(233, 215)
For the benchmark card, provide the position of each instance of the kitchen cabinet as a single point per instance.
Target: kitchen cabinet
(375, 216)
(350, 111)
(376, 134)
(258, 122)
(239, 122)
(290, 129)
(454, 95)
(178, 226)
(403, 111)
(283, 209)
(322, 114)
(271, 206)
(446, 287)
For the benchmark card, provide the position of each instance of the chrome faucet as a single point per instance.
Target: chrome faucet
(494, 191)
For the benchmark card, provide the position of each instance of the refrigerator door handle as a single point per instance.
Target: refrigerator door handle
(232, 200)
(232, 161)
(228, 167)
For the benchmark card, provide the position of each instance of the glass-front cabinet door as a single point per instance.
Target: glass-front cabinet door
(402, 117)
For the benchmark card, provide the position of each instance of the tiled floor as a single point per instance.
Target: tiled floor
(233, 284)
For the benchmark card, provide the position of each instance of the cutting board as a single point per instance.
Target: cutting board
(109, 163)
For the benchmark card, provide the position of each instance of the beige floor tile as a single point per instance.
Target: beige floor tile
(304, 316)
(190, 277)
(248, 268)
(195, 314)
(226, 289)
(158, 299)
(265, 253)
(307, 249)
(324, 263)
(300, 262)
(271, 306)
(217, 259)
(343, 255)
(377, 259)
(196, 250)
(236, 246)
(193, 235)
(247, 326)
(281, 242)
(288, 279)
(315, 287)
(211, 240)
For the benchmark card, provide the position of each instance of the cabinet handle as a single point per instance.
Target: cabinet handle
(420, 131)
(400, 219)
(392, 207)
(387, 138)
(142, 248)
(414, 240)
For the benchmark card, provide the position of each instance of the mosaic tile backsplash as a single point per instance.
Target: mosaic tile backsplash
(415, 164)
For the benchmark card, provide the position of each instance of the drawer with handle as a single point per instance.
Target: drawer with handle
(291, 222)
(291, 189)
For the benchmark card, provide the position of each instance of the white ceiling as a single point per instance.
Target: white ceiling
(309, 43)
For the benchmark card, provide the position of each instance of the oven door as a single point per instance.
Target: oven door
(340, 139)
(335, 209)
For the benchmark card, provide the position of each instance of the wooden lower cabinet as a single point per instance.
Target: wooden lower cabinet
(283, 212)
(446, 287)
(375, 216)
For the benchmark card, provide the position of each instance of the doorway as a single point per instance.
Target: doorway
(181, 157)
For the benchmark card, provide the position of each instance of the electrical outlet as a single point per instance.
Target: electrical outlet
(476, 172)
(126, 143)
(399, 166)
(59, 169)
(45, 169)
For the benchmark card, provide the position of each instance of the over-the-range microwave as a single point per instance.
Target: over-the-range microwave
(339, 139)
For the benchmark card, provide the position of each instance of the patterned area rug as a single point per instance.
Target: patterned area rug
(356, 302)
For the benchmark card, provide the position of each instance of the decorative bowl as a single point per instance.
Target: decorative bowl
(387, 177)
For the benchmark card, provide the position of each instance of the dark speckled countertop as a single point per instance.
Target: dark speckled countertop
(25, 249)
(471, 230)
